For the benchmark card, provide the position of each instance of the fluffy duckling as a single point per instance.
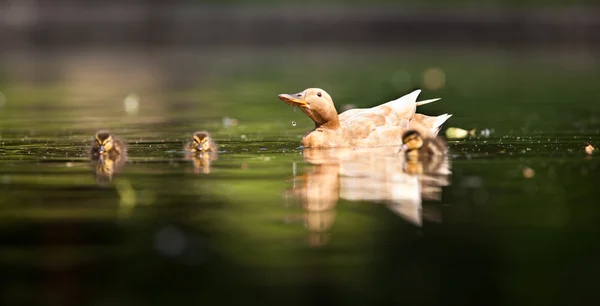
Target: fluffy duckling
(423, 155)
(106, 144)
(202, 142)
(419, 148)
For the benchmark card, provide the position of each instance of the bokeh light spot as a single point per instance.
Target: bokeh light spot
(434, 78)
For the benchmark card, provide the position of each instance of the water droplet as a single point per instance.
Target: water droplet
(294, 108)
(293, 123)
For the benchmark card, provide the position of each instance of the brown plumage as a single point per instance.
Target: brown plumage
(105, 144)
(381, 125)
(201, 142)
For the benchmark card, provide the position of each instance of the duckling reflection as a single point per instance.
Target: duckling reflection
(105, 167)
(202, 161)
(370, 174)
(202, 151)
(108, 155)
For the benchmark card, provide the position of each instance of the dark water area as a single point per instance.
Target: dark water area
(511, 219)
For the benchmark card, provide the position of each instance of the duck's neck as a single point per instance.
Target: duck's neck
(332, 124)
(325, 119)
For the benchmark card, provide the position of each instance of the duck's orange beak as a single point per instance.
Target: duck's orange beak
(293, 100)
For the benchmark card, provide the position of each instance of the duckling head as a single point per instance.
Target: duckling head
(104, 142)
(412, 140)
(316, 104)
(201, 141)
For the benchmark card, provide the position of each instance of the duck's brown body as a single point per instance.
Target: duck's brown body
(382, 125)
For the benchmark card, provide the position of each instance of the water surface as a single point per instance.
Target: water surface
(514, 222)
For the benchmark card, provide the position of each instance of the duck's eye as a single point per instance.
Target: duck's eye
(299, 95)
(319, 94)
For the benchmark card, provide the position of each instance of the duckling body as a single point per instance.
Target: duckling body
(423, 154)
(201, 142)
(420, 148)
(378, 126)
(107, 145)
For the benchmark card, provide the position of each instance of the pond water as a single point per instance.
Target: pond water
(513, 220)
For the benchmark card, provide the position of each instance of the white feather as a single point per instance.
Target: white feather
(427, 101)
(405, 101)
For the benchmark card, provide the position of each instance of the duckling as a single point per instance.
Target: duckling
(201, 142)
(419, 148)
(423, 155)
(106, 144)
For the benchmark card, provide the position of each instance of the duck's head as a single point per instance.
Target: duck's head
(316, 103)
(201, 141)
(104, 142)
(412, 140)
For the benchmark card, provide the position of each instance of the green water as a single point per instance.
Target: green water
(245, 230)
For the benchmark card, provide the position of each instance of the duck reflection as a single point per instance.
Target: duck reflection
(399, 177)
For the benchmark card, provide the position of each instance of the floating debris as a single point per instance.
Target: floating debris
(227, 122)
(132, 104)
(293, 123)
(528, 172)
(589, 149)
(485, 133)
(472, 132)
(456, 133)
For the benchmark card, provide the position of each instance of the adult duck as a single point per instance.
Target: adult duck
(382, 125)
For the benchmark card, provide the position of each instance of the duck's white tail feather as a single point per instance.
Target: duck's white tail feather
(439, 120)
(409, 100)
(427, 101)
(405, 101)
